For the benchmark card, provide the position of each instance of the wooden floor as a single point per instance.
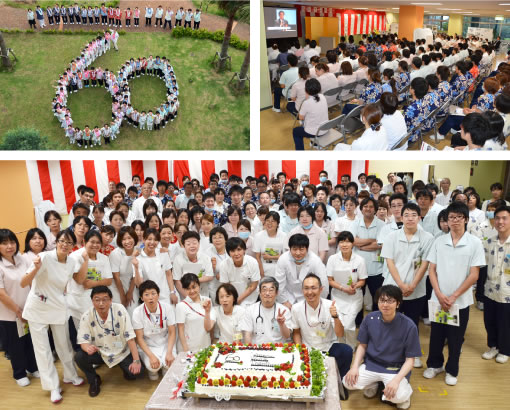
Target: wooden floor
(482, 385)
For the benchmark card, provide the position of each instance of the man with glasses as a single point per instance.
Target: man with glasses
(266, 321)
(496, 313)
(106, 335)
(389, 343)
(404, 252)
(455, 259)
(315, 322)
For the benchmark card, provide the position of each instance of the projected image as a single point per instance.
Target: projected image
(280, 23)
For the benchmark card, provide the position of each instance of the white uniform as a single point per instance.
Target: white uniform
(46, 307)
(343, 223)
(316, 325)
(347, 272)
(372, 258)
(154, 268)
(192, 315)
(262, 323)
(241, 277)
(263, 243)
(202, 267)
(155, 331)
(229, 327)
(78, 298)
(120, 262)
(137, 207)
(215, 283)
(290, 276)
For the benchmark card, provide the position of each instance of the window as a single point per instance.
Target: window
(439, 22)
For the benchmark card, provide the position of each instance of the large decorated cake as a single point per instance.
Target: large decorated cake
(273, 369)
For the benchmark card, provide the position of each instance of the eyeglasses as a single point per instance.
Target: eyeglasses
(455, 218)
(267, 290)
(65, 243)
(101, 301)
(387, 301)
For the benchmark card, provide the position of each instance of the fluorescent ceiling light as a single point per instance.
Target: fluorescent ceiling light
(450, 9)
(427, 4)
(395, 8)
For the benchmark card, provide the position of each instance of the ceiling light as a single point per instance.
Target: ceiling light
(427, 4)
(504, 4)
(499, 18)
(450, 9)
(395, 8)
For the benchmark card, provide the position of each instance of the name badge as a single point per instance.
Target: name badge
(320, 333)
(507, 271)
(117, 345)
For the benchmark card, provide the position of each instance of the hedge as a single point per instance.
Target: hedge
(217, 36)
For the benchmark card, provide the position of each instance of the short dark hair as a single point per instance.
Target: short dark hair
(234, 243)
(229, 289)
(146, 285)
(457, 207)
(30, 234)
(412, 207)
(398, 196)
(402, 183)
(292, 60)
(389, 103)
(366, 201)
(310, 210)
(126, 230)
(190, 235)
(504, 208)
(391, 291)
(345, 236)
(496, 185)
(424, 192)
(420, 87)
(312, 275)
(188, 278)
(299, 240)
(100, 289)
(8, 235)
(66, 233)
(50, 213)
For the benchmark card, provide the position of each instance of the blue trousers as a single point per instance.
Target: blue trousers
(299, 133)
(348, 108)
(343, 356)
(278, 92)
(453, 121)
(291, 107)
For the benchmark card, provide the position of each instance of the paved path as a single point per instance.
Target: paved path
(17, 18)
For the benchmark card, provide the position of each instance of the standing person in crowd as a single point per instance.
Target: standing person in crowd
(148, 15)
(187, 18)
(13, 297)
(46, 307)
(159, 16)
(31, 19)
(455, 259)
(178, 17)
(229, 314)
(268, 244)
(196, 19)
(168, 18)
(496, 308)
(40, 16)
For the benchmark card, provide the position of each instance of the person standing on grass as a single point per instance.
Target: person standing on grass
(136, 16)
(178, 17)
(31, 18)
(196, 19)
(40, 16)
(168, 18)
(129, 13)
(118, 17)
(111, 15)
(148, 15)
(49, 13)
(104, 15)
(159, 16)
(187, 18)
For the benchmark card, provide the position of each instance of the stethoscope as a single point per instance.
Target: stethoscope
(273, 320)
(99, 322)
(323, 323)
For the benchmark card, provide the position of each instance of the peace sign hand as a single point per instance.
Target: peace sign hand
(333, 310)
(280, 318)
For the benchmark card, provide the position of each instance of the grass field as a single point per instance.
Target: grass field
(211, 117)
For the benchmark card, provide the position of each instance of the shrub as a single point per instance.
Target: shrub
(217, 36)
(28, 139)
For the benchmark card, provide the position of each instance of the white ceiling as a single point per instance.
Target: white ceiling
(476, 7)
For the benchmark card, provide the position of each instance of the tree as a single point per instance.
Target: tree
(24, 139)
(241, 9)
(244, 70)
(6, 61)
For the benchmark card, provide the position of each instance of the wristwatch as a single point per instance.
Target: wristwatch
(334, 317)
(136, 361)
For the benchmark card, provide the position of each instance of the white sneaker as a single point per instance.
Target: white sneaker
(371, 392)
(450, 380)
(276, 109)
(431, 372)
(153, 375)
(35, 374)
(490, 354)
(24, 381)
(404, 405)
(56, 395)
(439, 137)
(77, 381)
(417, 362)
(426, 321)
(502, 358)
(479, 305)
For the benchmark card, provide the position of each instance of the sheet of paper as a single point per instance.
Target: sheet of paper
(438, 315)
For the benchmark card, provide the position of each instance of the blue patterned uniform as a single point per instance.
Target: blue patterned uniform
(485, 102)
(459, 85)
(371, 93)
(402, 81)
(414, 116)
(431, 101)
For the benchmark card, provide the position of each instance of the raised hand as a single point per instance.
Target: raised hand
(280, 318)
(207, 305)
(37, 262)
(332, 309)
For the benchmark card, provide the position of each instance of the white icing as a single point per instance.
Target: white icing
(254, 363)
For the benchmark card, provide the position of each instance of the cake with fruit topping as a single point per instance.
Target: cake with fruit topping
(270, 369)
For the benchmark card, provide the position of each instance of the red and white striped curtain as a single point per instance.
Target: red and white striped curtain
(57, 181)
(350, 21)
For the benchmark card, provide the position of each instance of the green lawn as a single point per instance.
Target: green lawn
(211, 117)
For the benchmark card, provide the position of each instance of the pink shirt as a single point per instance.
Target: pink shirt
(10, 278)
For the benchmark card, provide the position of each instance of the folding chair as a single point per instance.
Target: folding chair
(351, 122)
(348, 96)
(404, 140)
(333, 91)
(325, 141)
(323, 60)
(360, 86)
(430, 116)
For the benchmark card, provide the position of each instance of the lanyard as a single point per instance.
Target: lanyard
(160, 314)
(198, 313)
(318, 316)
(99, 321)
